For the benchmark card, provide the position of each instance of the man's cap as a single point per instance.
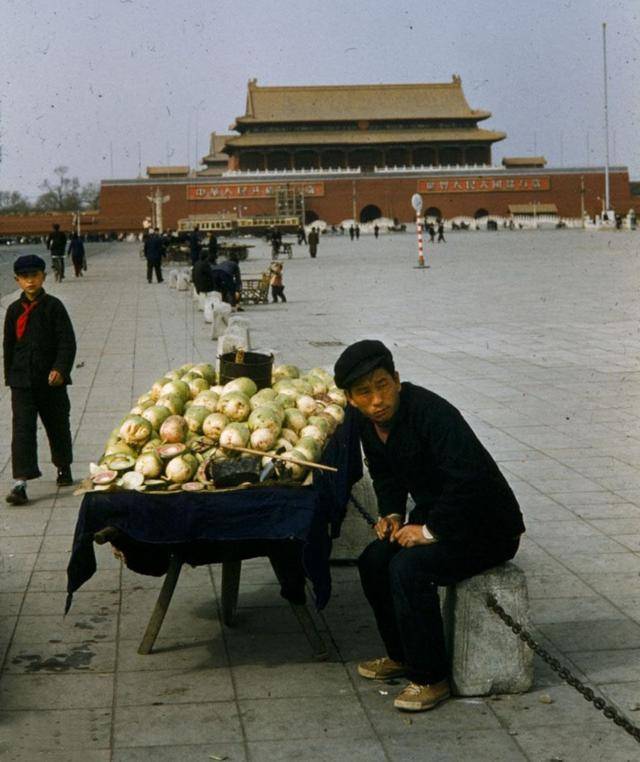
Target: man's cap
(359, 359)
(29, 263)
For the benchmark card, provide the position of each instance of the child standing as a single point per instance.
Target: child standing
(39, 350)
(277, 287)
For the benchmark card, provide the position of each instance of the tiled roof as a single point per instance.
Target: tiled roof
(361, 137)
(524, 161)
(357, 102)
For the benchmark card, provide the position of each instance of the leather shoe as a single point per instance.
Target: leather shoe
(18, 496)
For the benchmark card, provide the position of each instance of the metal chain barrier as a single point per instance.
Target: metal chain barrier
(587, 693)
(362, 510)
(599, 703)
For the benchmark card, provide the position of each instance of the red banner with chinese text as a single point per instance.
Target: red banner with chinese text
(249, 190)
(483, 184)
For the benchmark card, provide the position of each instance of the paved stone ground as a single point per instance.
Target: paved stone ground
(533, 335)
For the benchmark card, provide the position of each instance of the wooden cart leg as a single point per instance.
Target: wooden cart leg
(162, 604)
(229, 590)
(310, 630)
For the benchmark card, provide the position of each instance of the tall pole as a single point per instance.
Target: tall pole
(606, 118)
(416, 203)
(420, 248)
(353, 200)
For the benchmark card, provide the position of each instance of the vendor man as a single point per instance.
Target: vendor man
(466, 518)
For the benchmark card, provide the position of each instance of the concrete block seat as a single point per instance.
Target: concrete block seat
(184, 280)
(172, 278)
(210, 301)
(486, 656)
(220, 319)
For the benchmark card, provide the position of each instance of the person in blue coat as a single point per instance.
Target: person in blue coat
(153, 252)
(77, 254)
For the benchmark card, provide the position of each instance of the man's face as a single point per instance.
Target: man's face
(376, 395)
(31, 282)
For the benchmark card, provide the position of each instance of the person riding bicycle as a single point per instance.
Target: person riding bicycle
(56, 244)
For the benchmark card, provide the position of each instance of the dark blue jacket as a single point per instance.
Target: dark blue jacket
(76, 249)
(154, 249)
(433, 455)
(48, 343)
(233, 270)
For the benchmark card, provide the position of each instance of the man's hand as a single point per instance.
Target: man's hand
(387, 527)
(55, 378)
(410, 535)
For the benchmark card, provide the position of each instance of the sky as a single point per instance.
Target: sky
(107, 87)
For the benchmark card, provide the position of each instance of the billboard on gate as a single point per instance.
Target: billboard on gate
(249, 190)
(483, 184)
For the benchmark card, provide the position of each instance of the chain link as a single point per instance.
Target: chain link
(362, 510)
(587, 693)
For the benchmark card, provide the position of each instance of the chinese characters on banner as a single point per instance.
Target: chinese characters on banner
(483, 184)
(249, 190)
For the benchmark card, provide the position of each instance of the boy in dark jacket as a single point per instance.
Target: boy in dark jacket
(39, 350)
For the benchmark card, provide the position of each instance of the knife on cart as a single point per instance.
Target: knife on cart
(274, 455)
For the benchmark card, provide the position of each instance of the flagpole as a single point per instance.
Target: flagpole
(606, 119)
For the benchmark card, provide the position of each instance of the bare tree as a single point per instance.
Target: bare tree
(13, 202)
(60, 195)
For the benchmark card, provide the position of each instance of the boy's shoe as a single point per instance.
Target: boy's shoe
(419, 698)
(383, 668)
(18, 495)
(64, 477)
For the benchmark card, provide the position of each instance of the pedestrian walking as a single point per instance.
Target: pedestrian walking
(153, 252)
(376, 231)
(56, 244)
(213, 249)
(302, 236)
(276, 242)
(77, 254)
(275, 280)
(352, 232)
(194, 245)
(441, 232)
(432, 232)
(314, 239)
(357, 232)
(39, 350)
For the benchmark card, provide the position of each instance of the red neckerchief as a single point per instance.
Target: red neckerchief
(21, 323)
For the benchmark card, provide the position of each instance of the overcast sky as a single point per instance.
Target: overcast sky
(84, 83)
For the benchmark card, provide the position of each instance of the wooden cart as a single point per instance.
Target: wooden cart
(255, 290)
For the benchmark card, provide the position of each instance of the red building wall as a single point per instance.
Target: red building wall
(124, 205)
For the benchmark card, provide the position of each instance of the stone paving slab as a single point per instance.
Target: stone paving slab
(533, 335)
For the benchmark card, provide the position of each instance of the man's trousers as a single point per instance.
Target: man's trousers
(51, 403)
(401, 584)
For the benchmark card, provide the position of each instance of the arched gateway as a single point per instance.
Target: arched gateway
(370, 212)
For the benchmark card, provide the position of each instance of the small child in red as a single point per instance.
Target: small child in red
(277, 287)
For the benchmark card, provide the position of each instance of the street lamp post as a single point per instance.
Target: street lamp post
(416, 203)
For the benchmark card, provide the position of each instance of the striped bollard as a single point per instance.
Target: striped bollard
(416, 203)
